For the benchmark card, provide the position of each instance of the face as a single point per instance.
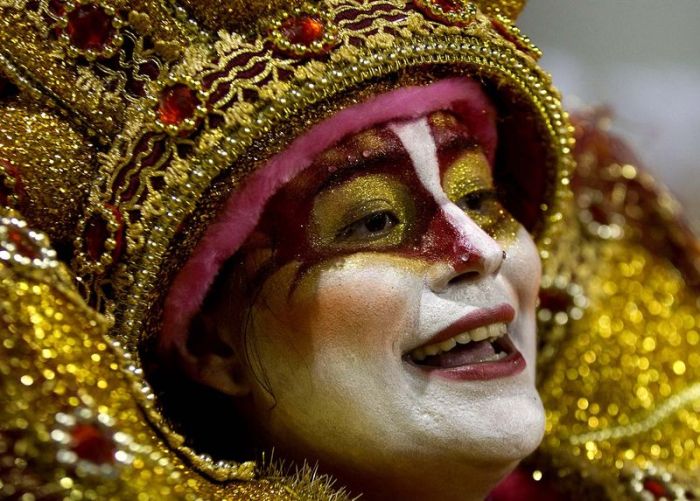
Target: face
(395, 317)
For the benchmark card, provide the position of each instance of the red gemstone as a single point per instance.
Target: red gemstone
(657, 489)
(448, 5)
(89, 27)
(177, 103)
(23, 244)
(91, 444)
(303, 30)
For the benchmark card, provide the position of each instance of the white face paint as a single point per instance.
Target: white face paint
(334, 353)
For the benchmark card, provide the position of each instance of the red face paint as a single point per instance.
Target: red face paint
(431, 236)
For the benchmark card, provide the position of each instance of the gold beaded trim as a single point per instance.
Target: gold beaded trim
(462, 14)
(663, 410)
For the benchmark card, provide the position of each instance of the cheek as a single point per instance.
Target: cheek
(355, 305)
(523, 269)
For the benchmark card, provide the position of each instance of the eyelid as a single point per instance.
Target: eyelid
(335, 209)
(469, 172)
(362, 210)
(483, 193)
(362, 220)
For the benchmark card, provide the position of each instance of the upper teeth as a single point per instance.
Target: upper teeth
(489, 332)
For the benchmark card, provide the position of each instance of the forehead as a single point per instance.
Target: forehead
(379, 147)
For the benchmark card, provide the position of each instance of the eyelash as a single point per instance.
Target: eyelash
(477, 197)
(350, 230)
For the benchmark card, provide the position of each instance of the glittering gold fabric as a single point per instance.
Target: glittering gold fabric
(619, 367)
(69, 423)
(122, 146)
(56, 164)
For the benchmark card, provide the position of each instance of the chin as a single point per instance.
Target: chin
(519, 427)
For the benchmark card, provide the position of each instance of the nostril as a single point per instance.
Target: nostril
(467, 276)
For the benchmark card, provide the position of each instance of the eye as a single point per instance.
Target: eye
(371, 226)
(480, 201)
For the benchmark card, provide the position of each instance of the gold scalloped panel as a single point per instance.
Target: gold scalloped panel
(46, 167)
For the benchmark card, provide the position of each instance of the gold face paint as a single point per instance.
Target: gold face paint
(369, 212)
(469, 184)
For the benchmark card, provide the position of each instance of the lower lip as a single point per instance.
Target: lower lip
(514, 363)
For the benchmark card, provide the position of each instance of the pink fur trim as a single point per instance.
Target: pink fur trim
(244, 207)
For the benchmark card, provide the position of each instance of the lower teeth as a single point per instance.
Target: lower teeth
(495, 357)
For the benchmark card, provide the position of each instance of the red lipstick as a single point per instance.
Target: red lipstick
(475, 360)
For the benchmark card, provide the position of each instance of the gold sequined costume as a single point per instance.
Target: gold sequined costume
(123, 127)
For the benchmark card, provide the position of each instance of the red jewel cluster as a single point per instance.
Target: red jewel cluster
(90, 27)
(177, 104)
(23, 244)
(303, 34)
(303, 30)
(656, 488)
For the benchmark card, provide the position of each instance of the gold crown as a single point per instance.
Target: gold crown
(127, 124)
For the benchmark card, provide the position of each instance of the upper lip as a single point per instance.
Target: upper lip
(477, 318)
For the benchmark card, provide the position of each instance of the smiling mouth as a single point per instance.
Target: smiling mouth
(488, 343)
(476, 347)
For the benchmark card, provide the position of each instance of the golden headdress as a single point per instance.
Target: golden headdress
(125, 126)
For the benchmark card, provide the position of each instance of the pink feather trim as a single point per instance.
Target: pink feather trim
(244, 208)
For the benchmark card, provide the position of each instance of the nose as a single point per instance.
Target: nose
(459, 250)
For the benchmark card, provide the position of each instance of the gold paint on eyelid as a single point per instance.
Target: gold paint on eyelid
(338, 207)
(471, 173)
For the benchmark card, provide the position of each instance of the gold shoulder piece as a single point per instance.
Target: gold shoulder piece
(620, 318)
(70, 422)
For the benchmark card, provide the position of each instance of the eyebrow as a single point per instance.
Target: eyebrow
(452, 140)
(390, 153)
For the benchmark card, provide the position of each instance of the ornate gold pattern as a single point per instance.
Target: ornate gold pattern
(149, 182)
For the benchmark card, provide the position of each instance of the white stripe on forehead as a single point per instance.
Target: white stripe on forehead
(418, 141)
(417, 138)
